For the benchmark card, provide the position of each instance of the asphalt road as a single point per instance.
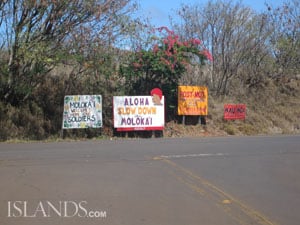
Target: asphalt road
(190, 181)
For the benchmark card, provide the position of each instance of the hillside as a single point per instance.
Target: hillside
(274, 111)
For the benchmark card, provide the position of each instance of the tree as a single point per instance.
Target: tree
(285, 39)
(39, 35)
(234, 34)
(2, 4)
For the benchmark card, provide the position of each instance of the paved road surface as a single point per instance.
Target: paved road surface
(191, 181)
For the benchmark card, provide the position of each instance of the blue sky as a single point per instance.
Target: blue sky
(159, 10)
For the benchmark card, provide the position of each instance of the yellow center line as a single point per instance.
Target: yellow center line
(236, 209)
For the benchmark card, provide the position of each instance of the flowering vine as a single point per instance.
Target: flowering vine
(174, 51)
(167, 58)
(162, 64)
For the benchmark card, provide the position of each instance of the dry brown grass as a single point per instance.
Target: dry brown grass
(275, 110)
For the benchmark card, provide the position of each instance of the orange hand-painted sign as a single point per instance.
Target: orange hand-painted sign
(192, 100)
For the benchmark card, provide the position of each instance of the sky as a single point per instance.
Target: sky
(159, 10)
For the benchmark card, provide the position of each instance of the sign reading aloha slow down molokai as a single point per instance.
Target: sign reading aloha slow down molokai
(139, 113)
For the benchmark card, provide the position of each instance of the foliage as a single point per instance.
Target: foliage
(236, 36)
(50, 48)
(40, 34)
(163, 64)
(285, 39)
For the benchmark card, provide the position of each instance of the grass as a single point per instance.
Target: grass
(268, 112)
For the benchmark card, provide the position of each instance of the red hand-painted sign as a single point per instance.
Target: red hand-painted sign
(234, 111)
